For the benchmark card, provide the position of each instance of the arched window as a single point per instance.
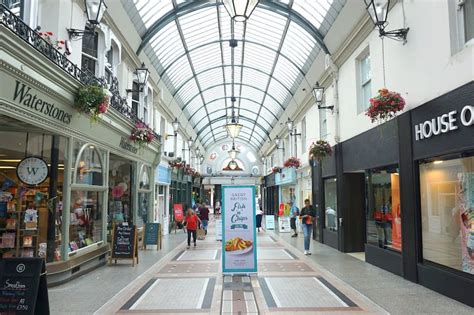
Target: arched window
(89, 168)
(144, 179)
(144, 196)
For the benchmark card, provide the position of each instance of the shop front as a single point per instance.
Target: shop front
(45, 211)
(441, 207)
(403, 193)
(270, 206)
(162, 196)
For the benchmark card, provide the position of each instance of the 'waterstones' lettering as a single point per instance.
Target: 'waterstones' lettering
(25, 97)
(124, 144)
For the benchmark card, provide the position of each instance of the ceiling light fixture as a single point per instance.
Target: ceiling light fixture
(240, 10)
(233, 128)
(95, 10)
(233, 152)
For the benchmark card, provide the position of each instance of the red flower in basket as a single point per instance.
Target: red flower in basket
(385, 105)
(292, 162)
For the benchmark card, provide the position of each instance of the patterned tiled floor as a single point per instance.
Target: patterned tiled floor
(190, 281)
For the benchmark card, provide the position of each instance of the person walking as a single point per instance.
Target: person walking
(294, 213)
(204, 216)
(217, 209)
(307, 216)
(259, 219)
(191, 221)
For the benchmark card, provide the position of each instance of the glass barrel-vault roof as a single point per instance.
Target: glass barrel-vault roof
(189, 44)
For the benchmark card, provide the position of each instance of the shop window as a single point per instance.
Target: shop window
(88, 168)
(383, 208)
(87, 195)
(144, 195)
(330, 204)
(25, 208)
(86, 219)
(121, 172)
(365, 85)
(90, 45)
(447, 212)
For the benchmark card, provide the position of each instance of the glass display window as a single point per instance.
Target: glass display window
(447, 212)
(121, 181)
(383, 211)
(87, 197)
(330, 204)
(88, 169)
(25, 207)
(144, 196)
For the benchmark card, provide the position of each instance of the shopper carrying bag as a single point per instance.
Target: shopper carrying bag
(192, 222)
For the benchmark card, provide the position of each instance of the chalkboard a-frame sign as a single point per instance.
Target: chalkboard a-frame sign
(124, 243)
(152, 235)
(23, 288)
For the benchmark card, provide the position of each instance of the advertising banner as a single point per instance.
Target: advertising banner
(178, 212)
(284, 224)
(269, 222)
(239, 245)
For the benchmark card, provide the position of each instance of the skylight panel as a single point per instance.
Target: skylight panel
(213, 93)
(194, 105)
(188, 90)
(154, 10)
(201, 122)
(249, 104)
(179, 72)
(213, 116)
(267, 28)
(199, 27)
(252, 93)
(255, 78)
(286, 72)
(210, 78)
(297, 45)
(313, 10)
(205, 57)
(259, 57)
(278, 91)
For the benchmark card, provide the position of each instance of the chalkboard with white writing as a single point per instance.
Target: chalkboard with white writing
(23, 288)
(124, 242)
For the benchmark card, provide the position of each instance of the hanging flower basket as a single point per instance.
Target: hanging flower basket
(141, 134)
(92, 99)
(176, 164)
(385, 105)
(188, 170)
(292, 162)
(276, 169)
(320, 150)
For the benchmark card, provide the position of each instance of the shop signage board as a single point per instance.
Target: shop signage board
(124, 243)
(126, 145)
(178, 212)
(270, 222)
(284, 225)
(219, 230)
(444, 123)
(152, 235)
(287, 176)
(239, 237)
(23, 288)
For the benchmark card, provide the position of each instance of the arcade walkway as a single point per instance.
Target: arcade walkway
(190, 282)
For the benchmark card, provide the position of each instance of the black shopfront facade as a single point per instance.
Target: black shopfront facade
(271, 195)
(403, 192)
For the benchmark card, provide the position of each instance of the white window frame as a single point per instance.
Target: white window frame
(361, 84)
(461, 23)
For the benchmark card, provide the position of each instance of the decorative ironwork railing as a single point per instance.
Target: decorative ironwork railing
(34, 39)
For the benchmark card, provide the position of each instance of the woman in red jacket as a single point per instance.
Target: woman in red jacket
(191, 221)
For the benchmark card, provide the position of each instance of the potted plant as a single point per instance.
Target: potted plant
(320, 150)
(292, 162)
(141, 134)
(92, 99)
(385, 105)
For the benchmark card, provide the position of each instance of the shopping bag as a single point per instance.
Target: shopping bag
(201, 234)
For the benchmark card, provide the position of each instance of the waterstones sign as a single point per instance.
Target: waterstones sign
(24, 95)
(445, 123)
(124, 144)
